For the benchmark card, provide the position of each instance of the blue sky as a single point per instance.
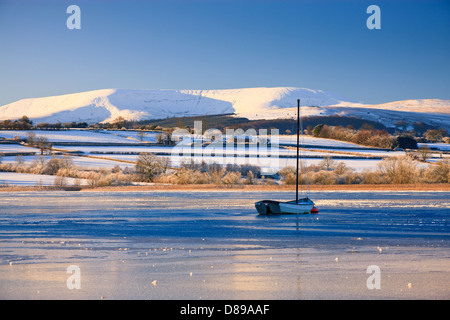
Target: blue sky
(201, 44)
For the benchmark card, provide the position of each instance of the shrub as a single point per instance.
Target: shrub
(186, 176)
(362, 136)
(349, 177)
(38, 165)
(398, 170)
(42, 143)
(341, 169)
(439, 172)
(367, 135)
(371, 177)
(424, 152)
(149, 165)
(317, 129)
(433, 135)
(405, 142)
(60, 181)
(328, 163)
(324, 177)
(52, 166)
(216, 175)
(232, 178)
(288, 175)
(249, 178)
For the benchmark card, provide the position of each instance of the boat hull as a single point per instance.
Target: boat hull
(303, 206)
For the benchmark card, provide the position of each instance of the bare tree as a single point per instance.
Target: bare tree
(433, 135)
(398, 170)
(141, 135)
(328, 163)
(424, 152)
(148, 165)
(160, 138)
(43, 144)
(31, 136)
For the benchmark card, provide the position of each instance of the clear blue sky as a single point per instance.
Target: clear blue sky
(201, 44)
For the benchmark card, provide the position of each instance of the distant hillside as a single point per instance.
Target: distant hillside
(222, 122)
(251, 103)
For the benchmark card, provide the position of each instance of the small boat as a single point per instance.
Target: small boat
(298, 206)
(304, 205)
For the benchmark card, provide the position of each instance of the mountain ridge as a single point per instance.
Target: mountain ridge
(105, 105)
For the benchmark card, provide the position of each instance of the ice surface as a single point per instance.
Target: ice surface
(213, 245)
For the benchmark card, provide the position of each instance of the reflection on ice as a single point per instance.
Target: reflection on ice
(213, 244)
(216, 214)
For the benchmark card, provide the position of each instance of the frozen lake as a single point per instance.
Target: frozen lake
(213, 245)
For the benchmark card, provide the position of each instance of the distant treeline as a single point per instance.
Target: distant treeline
(222, 122)
(152, 168)
(368, 137)
(350, 129)
(285, 126)
(25, 123)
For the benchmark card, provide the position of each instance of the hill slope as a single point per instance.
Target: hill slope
(253, 103)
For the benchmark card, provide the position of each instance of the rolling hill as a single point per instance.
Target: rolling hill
(253, 103)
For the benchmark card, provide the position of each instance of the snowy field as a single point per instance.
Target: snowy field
(308, 140)
(134, 135)
(26, 179)
(270, 165)
(87, 163)
(101, 136)
(16, 148)
(219, 151)
(438, 146)
(350, 154)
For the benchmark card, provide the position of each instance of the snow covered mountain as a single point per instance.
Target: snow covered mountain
(253, 103)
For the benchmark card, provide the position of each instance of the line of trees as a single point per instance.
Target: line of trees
(151, 168)
(40, 142)
(25, 123)
(62, 167)
(392, 170)
(369, 134)
(369, 137)
(378, 138)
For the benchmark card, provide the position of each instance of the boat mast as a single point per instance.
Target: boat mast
(298, 142)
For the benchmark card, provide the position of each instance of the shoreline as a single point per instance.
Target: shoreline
(213, 187)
